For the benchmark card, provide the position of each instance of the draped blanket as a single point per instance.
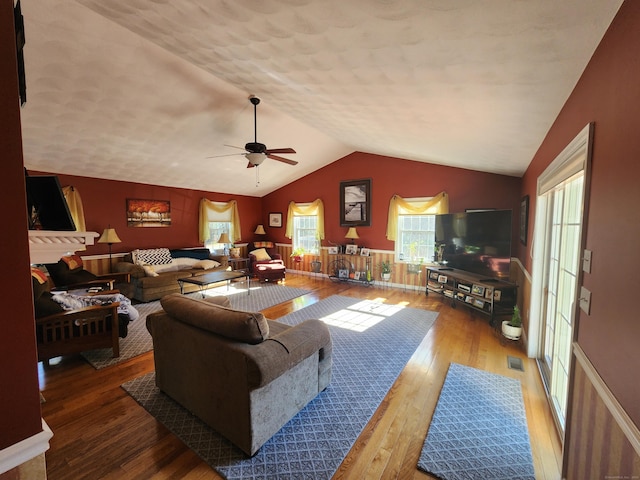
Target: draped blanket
(70, 301)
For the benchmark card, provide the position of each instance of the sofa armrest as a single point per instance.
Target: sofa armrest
(223, 260)
(135, 271)
(280, 353)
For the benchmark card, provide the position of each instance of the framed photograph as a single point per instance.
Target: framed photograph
(488, 293)
(365, 252)
(524, 219)
(343, 273)
(355, 203)
(477, 290)
(356, 275)
(275, 219)
(148, 213)
(333, 250)
(351, 249)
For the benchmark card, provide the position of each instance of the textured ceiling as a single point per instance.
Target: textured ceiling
(146, 90)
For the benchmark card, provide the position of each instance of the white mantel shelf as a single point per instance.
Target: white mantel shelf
(47, 246)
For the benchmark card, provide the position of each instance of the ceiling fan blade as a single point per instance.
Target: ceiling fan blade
(282, 159)
(233, 146)
(280, 150)
(227, 155)
(250, 165)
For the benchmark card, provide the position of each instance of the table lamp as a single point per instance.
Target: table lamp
(260, 230)
(352, 234)
(224, 239)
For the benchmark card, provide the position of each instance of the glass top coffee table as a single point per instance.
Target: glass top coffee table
(204, 281)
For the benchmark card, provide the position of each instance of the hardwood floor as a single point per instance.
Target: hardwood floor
(101, 432)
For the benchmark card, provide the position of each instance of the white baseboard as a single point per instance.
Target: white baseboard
(25, 450)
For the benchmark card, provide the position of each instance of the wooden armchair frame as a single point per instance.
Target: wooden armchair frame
(76, 331)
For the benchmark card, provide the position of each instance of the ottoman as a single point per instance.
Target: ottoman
(270, 272)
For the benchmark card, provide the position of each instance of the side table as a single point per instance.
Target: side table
(239, 264)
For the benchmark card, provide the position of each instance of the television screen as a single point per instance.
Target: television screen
(477, 242)
(46, 206)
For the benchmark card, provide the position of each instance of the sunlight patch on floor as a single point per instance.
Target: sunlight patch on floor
(362, 315)
(232, 290)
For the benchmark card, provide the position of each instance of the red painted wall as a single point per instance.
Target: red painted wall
(104, 204)
(19, 398)
(608, 94)
(466, 189)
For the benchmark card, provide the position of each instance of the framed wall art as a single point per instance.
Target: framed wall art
(148, 213)
(275, 219)
(355, 203)
(524, 219)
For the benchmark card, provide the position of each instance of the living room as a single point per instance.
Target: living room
(607, 94)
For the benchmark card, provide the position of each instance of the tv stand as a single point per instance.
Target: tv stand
(489, 296)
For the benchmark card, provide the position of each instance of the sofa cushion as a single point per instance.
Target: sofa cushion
(237, 325)
(74, 262)
(261, 255)
(197, 253)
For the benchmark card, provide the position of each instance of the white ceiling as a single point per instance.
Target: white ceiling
(145, 90)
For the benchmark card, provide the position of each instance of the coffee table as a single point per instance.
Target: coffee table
(204, 281)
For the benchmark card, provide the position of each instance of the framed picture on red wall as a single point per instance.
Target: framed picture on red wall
(355, 203)
(148, 213)
(275, 219)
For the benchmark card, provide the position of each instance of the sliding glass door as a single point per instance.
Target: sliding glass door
(558, 240)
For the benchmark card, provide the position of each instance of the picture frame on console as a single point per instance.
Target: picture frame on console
(355, 203)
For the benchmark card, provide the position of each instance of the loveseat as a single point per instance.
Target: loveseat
(155, 272)
(243, 375)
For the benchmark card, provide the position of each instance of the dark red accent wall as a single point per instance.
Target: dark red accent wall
(608, 94)
(104, 203)
(390, 176)
(19, 398)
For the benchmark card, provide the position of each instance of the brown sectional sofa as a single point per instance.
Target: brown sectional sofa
(149, 285)
(243, 375)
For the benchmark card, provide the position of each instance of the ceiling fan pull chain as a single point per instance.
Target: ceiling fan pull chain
(257, 176)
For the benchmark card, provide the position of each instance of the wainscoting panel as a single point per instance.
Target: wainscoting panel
(602, 441)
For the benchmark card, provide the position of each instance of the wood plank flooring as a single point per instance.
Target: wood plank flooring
(101, 432)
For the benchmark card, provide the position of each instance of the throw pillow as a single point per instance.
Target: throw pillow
(152, 256)
(260, 254)
(74, 262)
(39, 275)
(206, 264)
(149, 271)
(237, 325)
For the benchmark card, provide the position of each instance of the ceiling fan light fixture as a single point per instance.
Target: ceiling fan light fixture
(255, 158)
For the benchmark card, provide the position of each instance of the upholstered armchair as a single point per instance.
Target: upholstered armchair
(265, 262)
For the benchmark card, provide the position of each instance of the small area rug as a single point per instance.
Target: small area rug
(372, 342)
(479, 429)
(138, 341)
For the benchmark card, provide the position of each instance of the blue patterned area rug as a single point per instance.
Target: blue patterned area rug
(479, 429)
(138, 340)
(372, 342)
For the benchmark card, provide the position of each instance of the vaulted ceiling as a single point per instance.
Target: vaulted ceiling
(147, 90)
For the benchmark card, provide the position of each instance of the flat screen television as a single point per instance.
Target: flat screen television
(477, 242)
(46, 206)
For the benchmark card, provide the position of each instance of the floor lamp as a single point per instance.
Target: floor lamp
(109, 236)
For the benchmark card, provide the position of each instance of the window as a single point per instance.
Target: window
(215, 230)
(305, 233)
(416, 238)
(412, 226)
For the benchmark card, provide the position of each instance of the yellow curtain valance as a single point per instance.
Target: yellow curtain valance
(207, 206)
(74, 202)
(436, 205)
(314, 208)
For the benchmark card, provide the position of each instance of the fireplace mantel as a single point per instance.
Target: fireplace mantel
(47, 246)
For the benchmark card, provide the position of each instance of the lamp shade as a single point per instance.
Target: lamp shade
(109, 236)
(260, 230)
(224, 238)
(351, 233)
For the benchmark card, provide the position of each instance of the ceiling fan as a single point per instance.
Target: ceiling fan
(258, 152)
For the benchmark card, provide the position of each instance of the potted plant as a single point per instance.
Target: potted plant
(316, 265)
(297, 254)
(512, 329)
(385, 270)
